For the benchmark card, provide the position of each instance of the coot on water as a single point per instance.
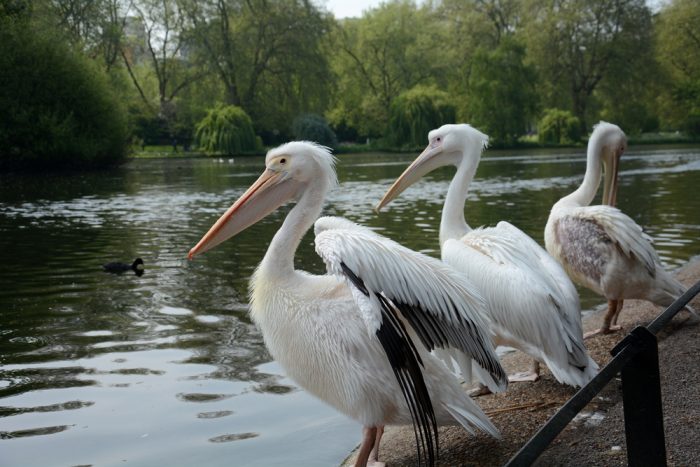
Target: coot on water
(118, 268)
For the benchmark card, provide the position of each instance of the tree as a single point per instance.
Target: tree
(678, 51)
(575, 43)
(559, 127)
(501, 92)
(476, 29)
(226, 129)
(269, 56)
(165, 41)
(478, 23)
(389, 50)
(417, 111)
(59, 110)
(95, 27)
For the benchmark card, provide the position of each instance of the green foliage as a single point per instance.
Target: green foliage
(14, 9)
(391, 49)
(169, 61)
(312, 127)
(227, 129)
(574, 44)
(417, 111)
(270, 57)
(678, 51)
(502, 96)
(687, 94)
(58, 110)
(559, 127)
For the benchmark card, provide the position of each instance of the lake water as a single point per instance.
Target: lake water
(166, 368)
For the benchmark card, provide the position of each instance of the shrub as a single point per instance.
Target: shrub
(312, 127)
(417, 111)
(559, 127)
(227, 129)
(58, 110)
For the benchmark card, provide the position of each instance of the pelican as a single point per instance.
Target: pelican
(601, 247)
(532, 304)
(360, 336)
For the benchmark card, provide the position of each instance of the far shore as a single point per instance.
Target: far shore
(167, 151)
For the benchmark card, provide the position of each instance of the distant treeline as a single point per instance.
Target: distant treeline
(235, 75)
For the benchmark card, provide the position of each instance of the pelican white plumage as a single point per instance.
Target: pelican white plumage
(359, 337)
(601, 247)
(532, 304)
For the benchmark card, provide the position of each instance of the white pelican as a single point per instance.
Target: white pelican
(359, 337)
(532, 304)
(601, 247)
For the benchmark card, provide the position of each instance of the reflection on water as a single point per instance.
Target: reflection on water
(167, 368)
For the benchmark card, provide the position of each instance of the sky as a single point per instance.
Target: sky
(348, 8)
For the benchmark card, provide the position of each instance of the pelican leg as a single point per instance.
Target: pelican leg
(532, 375)
(609, 321)
(374, 454)
(617, 313)
(369, 436)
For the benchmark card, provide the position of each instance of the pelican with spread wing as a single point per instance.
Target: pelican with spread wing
(532, 304)
(601, 247)
(360, 337)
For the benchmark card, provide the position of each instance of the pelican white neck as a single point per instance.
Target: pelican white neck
(453, 224)
(279, 258)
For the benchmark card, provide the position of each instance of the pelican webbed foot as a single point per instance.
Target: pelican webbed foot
(373, 460)
(532, 375)
(609, 321)
(604, 330)
(523, 377)
(478, 391)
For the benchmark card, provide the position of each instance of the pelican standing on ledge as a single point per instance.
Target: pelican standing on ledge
(532, 304)
(359, 337)
(601, 247)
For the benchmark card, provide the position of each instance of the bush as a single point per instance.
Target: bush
(58, 110)
(312, 127)
(417, 111)
(686, 95)
(227, 129)
(559, 127)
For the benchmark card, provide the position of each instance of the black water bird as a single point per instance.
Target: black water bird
(118, 268)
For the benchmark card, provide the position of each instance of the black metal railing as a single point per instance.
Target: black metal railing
(636, 357)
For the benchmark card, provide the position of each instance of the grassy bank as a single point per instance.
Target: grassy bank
(528, 142)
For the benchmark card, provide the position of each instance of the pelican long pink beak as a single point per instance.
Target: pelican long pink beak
(610, 183)
(271, 190)
(425, 163)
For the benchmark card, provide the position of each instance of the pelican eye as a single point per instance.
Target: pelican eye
(283, 161)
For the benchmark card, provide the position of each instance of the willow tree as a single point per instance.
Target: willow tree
(501, 92)
(417, 111)
(226, 129)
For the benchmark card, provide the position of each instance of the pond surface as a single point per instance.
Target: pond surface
(166, 368)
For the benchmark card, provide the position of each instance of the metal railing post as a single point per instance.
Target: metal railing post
(641, 398)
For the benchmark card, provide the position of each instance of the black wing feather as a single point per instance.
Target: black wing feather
(435, 333)
(406, 364)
